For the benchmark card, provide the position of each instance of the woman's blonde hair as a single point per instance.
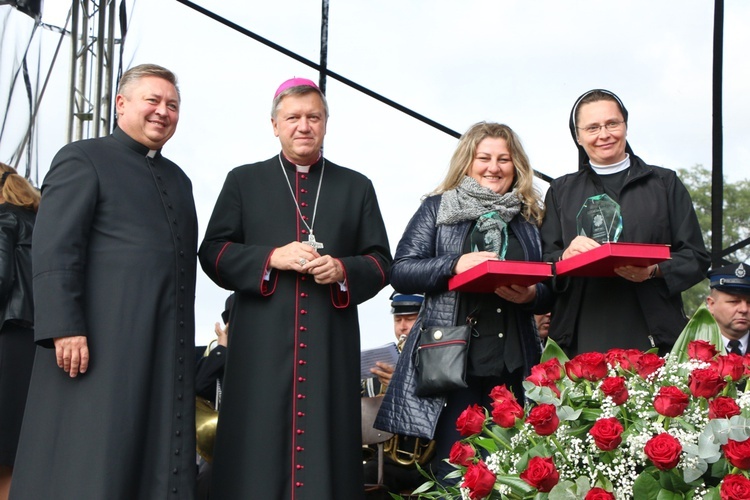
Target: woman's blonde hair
(17, 190)
(463, 158)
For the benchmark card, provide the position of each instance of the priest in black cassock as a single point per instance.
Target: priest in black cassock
(301, 242)
(110, 411)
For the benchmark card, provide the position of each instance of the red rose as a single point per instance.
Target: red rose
(541, 474)
(664, 451)
(589, 365)
(746, 361)
(648, 363)
(701, 350)
(539, 378)
(544, 419)
(735, 487)
(671, 401)
(705, 382)
(723, 407)
(470, 421)
(501, 393)
(462, 454)
(625, 358)
(730, 365)
(615, 388)
(506, 412)
(738, 453)
(607, 433)
(599, 494)
(479, 479)
(552, 369)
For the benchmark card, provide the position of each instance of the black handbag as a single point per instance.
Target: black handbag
(441, 359)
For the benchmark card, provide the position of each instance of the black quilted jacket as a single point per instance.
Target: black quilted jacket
(423, 263)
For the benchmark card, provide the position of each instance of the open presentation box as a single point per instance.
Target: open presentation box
(488, 275)
(602, 261)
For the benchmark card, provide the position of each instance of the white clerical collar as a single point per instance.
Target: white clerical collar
(743, 342)
(151, 153)
(303, 169)
(612, 169)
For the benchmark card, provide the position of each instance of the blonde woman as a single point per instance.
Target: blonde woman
(19, 202)
(485, 208)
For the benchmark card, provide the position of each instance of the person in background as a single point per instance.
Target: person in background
(302, 242)
(209, 373)
(19, 202)
(210, 366)
(404, 308)
(399, 472)
(641, 307)
(111, 405)
(729, 303)
(488, 190)
(542, 326)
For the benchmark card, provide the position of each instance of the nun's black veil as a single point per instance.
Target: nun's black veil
(583, 158)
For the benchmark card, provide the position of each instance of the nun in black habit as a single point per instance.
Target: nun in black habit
(641, 307)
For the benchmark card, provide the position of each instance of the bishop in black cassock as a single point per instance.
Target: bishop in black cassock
(289, 426)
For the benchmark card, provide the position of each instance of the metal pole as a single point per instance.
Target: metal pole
(100, 64)
(73, 67)
(110, 58)
(323, 47)
(717, 170)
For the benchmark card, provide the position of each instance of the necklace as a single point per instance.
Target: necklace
(311, 237)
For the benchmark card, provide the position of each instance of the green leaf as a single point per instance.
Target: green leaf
(690, 474)
(672, 481)
(568, 490)
(567, 413)
(552, 350)
(739, 428)
(702, 326)
(646, 487)
(424, 487)
(517, 485)
(669, 495)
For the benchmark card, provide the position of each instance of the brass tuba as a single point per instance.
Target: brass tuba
(406, 450)
(206, 418)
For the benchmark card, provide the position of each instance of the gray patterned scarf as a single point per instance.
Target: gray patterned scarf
(470, 201)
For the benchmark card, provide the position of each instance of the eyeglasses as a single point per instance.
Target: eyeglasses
(594, 129)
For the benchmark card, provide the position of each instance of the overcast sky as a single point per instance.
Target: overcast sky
(518, 62)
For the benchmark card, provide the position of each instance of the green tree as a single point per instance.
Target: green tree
(736, 205)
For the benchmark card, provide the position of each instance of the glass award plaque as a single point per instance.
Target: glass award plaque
(490, 234)
(600, 219)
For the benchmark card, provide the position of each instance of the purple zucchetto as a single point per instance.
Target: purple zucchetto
(295, 82)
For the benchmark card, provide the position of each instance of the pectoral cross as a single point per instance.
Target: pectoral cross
(311, 241)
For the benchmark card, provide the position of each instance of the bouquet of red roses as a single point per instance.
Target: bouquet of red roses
(615, 425)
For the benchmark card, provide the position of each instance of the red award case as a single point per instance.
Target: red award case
(602, 261)
(488, 275)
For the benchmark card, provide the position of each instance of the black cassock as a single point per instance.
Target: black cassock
(289, 426)
(114, 258)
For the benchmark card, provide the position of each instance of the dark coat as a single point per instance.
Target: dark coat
(16, 296)
(656, 208)
(424, 262)
(290, 425)
(113, 259)
(208, 370)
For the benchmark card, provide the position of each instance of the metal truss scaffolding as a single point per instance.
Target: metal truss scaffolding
(92, 67)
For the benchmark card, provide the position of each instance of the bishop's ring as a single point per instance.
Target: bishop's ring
(302, 262)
